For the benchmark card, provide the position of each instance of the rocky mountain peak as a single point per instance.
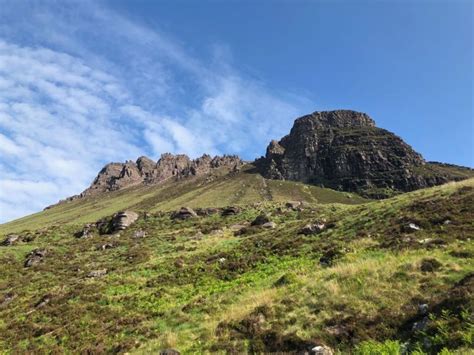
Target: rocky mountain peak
(333, 119)
(116, 176)
(344, 150)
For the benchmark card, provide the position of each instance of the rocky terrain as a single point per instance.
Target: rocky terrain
(116, 176)
(283, 255)
(345, 150)
(324, 273)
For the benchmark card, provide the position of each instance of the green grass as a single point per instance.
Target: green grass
(240, 189)
(194, 286)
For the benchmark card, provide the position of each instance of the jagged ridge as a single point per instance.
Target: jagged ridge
(116, 176)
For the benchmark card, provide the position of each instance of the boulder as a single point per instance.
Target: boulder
(230, 211)
(430, 265)
(269, 225)
(86, 232)
(184, 213)
(412, 227)
(204, 212)
(11, 239)
(313, 228)
(293, 204)
(322, 350)
(35, 257)
(260, 220)
(122, 220)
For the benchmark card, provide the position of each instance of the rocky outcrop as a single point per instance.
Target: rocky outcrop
(184, 213)
(116, 176)
(35, 257)
(122, 220)
(344, 150)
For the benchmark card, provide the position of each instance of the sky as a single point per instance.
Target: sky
(84, 83)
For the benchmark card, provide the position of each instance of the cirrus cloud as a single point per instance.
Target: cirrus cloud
(68, 106)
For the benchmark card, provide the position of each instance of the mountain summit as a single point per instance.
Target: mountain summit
(344, 150)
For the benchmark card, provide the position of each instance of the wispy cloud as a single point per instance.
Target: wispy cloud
(74, 98)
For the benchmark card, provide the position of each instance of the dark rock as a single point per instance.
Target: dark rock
(122, 220)
(344, 150)
(430, 265)
(207, 211)
(260, 220)
(230, 211)
(329, 256)
(35, 257)
(86, 232)
(169, 352)
(423, 308)
(293, 204)
(11, 239)
(313, 228)
(184, 213)
(420, 325)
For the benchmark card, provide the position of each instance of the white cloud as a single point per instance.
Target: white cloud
(74, 98)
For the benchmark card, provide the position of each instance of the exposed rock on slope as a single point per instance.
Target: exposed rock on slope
(115, 176)
(344, 150)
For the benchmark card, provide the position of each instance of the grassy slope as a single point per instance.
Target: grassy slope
(194, 286)
(242, 188)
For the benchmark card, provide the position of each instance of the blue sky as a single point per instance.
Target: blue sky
(87, 82)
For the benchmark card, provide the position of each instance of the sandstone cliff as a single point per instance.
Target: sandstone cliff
(345, 150)
(116, 176)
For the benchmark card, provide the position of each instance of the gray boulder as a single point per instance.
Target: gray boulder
(122, 220)
(11, 239)
(230, 211)
(35, 257)
(184, 213)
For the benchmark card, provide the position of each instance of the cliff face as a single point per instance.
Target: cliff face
(345, 150)
(116, 176)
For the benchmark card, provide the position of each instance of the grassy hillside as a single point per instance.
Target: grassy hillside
(369, 283)
(215, 191)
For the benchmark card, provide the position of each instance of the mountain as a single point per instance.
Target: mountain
(379, 277)
(345, 150)
(219, 187)
(218, 255)
(116, 176)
